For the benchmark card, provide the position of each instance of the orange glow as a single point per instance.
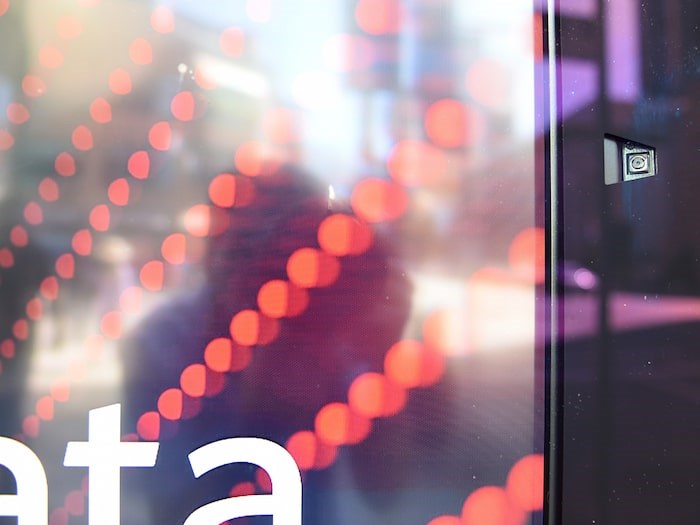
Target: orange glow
(111, 325)
(232, 41)
(48, 190)
(411, 364)
(101, 111)
(33, 86)
(17, 113)
(526, 254)
(173, 248)
(118, 192)
(20, 329)
(446, 332)
(373, 395)
(75, 503)
(148, 426)
(279, 298)
(68, 27)
(377, 200)
(7, 260)
(45, 408)
(60, 391)
(379, 17)
(490, 505)
(49, 288)
(414, 162)
(151, 276)
(120, 82)
(337, 425)
(141, 52)
(450, 124)
(193, 380)
(34, 309)
(250, 328)
(65, 164)
(446, 520)
(6, 140)
(160, 136)
(308, 268)
(310, 453)
(227, 190)
(30, 426)
(7, 349)
(65, 266)
(163, 20)
(525, 484)
(342, 235)
(223, 355)
(182, 106)
(50, 57)
(130, 300)
(170, 404)
(18, 237)
(82, 138)
(139, 165)
(82, 242)
(100, 218)
(487, 83)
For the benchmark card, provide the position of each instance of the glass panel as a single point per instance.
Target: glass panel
(310, 222)
(629, 266)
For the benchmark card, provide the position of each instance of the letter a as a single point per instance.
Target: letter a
(284, 504)
(31, 502)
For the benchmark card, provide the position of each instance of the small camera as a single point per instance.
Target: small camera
(637, 163)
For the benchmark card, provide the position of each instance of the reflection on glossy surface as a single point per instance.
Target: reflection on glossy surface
(312, 222)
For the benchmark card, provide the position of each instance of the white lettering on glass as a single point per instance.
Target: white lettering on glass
(284, 504)
(30, 504)
(105, 454)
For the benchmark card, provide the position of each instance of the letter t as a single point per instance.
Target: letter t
(104, 454)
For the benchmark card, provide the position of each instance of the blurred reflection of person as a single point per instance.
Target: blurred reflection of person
(345, 331)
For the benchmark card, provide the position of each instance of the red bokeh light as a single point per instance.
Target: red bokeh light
(75, 503)
(446, 520)
(100, 218)
(4, 6)
(174, 248)
(450, 123)
(148, 426)
(160, 136)
(33, 213)
(232, 41)
(49, 288)
(111, 325)
(48, 190)
(223, 355)
(19, 236)
(310, 268)
(152, 276)
(250, 328)
(342, 235)
(170, 404)
(337, 424)
(279, 299)
(101, 111)
(139, 165)
(379, 17)
(34, 309)
(82, 242)
(82, 138)
(377, 200)
(118, 192)
(65, 164)
(526, 254)
(17, 113)
(525, 483)
(130, 299)
(45, 408)
(309, 452)
(6, 140)
(372, 395)
(65, 266)
(414, 162)
(141, 51)
(163, 19)
(120, 82)
(490, 505)
(182, 106)
(33, 86)
(411, 364)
